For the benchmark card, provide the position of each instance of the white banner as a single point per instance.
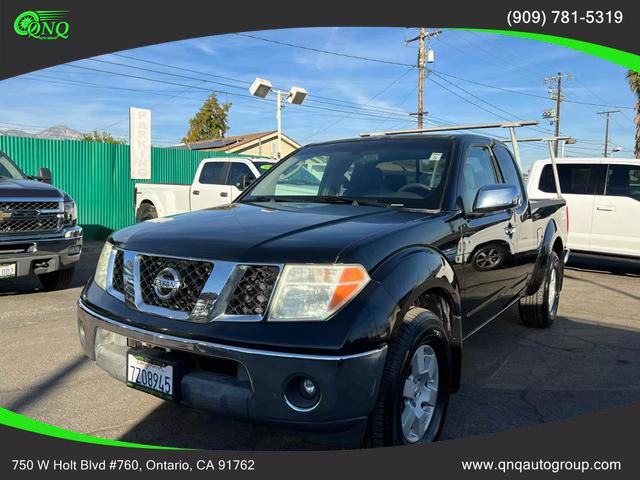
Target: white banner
(140, 142)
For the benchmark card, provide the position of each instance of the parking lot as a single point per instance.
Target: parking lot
(512, 376)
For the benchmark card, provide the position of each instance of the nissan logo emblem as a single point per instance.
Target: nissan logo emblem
(167, 283)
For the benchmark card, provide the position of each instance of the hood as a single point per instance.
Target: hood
(27, 189)
(267, 232)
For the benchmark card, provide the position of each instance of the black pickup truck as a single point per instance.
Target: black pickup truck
(38, 231)
(335, 293)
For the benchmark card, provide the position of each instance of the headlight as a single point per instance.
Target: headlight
(103, 265)
(70, 214)
(315, 292)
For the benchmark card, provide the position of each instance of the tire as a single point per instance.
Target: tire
(56, 280)
(539, 310)
(147, 211)
(421, 331)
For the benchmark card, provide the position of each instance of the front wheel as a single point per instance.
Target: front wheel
(540, 309)
(414, 392)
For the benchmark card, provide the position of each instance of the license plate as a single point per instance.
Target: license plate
(7, 270)
(150, 375)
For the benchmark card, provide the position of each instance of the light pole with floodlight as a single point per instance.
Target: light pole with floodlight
(261, 88)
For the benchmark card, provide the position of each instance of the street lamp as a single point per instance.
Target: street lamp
(616, 150)
(296, 96)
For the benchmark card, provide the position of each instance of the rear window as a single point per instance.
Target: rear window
(577, 179)
(212, 173)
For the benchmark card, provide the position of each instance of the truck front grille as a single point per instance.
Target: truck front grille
(192, 276)
(40, 223)
(251, 295)
(29, 206)
(194, 290)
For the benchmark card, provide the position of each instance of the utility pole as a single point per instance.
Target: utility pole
(279, 121)
(607, 115)
(557, 96)
(422, 59)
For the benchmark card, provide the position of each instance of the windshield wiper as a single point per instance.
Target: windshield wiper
(351, 200)
(265, 198)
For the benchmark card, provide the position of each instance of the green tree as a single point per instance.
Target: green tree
(634, 82)
(209, 122)
(101, 137)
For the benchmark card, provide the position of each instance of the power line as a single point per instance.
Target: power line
(378, 60)
(328, 52)
(384, 90)
(318, 100)
(533, 95)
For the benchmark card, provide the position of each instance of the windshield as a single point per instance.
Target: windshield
(262, 166)
(8, 169)
(397, 172)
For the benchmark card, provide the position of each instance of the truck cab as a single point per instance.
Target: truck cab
(603, 197)
(217, 181)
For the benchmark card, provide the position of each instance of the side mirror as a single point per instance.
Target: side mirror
(44, 175)
(493, 198)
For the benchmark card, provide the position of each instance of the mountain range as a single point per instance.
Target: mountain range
(57, 132)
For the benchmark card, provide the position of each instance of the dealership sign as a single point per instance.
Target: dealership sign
(140, 140)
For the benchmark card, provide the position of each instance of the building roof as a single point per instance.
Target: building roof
(233, 142)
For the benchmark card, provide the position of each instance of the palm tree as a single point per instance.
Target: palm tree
(634, 82)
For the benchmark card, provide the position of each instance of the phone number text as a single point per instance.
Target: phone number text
(541, 17)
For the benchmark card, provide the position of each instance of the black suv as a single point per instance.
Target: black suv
(335, 293)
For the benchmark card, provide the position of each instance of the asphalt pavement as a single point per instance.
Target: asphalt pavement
(512, 376)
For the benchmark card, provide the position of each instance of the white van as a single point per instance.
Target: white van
(603, 196)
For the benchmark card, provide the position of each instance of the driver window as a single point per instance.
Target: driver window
(478, 171)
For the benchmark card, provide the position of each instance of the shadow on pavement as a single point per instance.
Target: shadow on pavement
(41, 389)
(594, 263)
(514, 376)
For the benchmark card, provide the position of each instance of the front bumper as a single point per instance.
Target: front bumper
(42, 254)
(254, 390)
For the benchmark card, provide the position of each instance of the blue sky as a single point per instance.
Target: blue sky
(346, 95)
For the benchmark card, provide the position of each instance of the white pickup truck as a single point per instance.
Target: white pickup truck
(603, 200)
(217, 181)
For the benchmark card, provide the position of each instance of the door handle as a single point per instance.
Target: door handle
(606, 208)
(224, 194)
(196, 192)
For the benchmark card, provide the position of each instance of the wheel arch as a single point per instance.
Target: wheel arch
(146, 201)
(551, 242)
(423, 277)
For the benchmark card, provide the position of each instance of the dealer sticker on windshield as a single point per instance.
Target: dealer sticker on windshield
(150, 375)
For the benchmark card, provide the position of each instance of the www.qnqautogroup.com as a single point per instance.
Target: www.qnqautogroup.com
(554, 466)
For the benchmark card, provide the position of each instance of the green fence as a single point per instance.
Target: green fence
(96, 175)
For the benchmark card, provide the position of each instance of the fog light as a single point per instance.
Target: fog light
(75, 250)
(81, 333)
(302, 394)
(307, 388)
